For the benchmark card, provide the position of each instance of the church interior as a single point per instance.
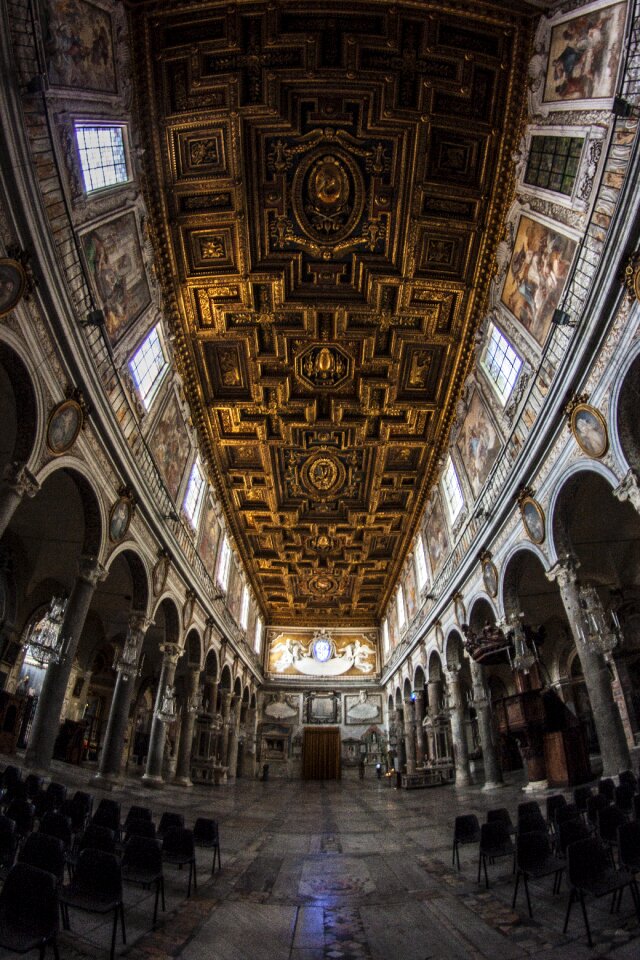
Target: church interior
(319, 479)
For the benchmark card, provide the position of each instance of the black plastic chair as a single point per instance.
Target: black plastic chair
(96, 887)
(139, 828)
(609, 820)
(8, 845)
(555, 802)
(595, 804)
(76, 814)
(580, 797)
(23, 813)
(84, 801)
(531, 822)
(570, 831)
(529, 808)
(169, 821)
(45, 852)
(57, 825)
(178, 849)
(534, 860)
(624, 799)
(629, 779)
(629, 846)
(501, 813)
(206, 834)
(22, 928)
(98, 838)
(142, 864)
(11, 776)
(138, 813)
(466, 830)
(607, 788)
(108, 815)
(495, 842)
(591, 873)
(33, 785)
(636, 807)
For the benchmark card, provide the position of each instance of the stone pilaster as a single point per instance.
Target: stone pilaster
(606, 716)
(47, 719)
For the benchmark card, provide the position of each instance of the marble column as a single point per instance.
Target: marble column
(492, 771)
(419, 715)
(46, 722)
(153, 773)
(189, 711)
(110, 768)
(606, 716)
(210, 696)
(234, 737)
(434, 694)
(17, 483)
(458, 726)
(252, 740)
(410, 735)
(223, 742)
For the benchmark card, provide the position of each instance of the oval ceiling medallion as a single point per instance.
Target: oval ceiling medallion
(328, 195)
(323, 476)
(322, 585)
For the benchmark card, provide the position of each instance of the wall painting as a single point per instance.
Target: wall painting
(584, 55)
(479, 442)
(79, 46)
(170, 445)
(437, 536)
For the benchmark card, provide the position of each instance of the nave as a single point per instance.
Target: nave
(350, 869)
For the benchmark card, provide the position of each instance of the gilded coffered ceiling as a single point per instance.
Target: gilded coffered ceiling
(327, 184)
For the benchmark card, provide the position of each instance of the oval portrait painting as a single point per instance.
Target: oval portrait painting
(533, 519)
(12, 283)
(590, 430)
(64, 426)
(490, 577)
(120, 518)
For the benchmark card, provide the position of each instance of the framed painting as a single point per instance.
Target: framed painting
(590, 430)
(536, 276)
(584, 55)
(437, 536)
(170, 445)
(533, 519)
(79, 46)
(439, 637)
(13, 281)
(478, 443)
(490, 576)
(65, 423)
(120, 517)
(116, 267)
(321, 708)
(160, 573)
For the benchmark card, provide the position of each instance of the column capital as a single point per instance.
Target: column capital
(139, 623)
(90, 570)
(20, 479)
(565, 571)
(171, 652)
(628, 489)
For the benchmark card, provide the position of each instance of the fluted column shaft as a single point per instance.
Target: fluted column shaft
(153, 772)
(458, 727)
(112, 755)
(189, 710)
(606, 716)
(47, 719)
(482, 703)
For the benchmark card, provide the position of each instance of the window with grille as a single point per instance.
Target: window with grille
(257, 638)
(148, 366)
(421, 563)
(385, 636)
(553, 163)
(452, 490)
(501, 363)
(102, 153)
(244, 608)
(224, 564)
(402, 616)
(194, 496)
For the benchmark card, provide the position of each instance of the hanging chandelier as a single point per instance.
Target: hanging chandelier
(45, 643)
(166, 711)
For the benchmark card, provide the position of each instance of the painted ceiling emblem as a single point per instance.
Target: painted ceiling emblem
(321, 584)
(323, 365)
(328, 195)
(323, 475)
(324, 655)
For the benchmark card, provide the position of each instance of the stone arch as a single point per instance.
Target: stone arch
(435, 666)
(562, 502)
(454, 649)
(95, 515)
(419, 678)
(482, 612)
(407, 689)
(193, 647)
(398, 696)
(140, 579)
(226, 680)
(211, 664)
(507, 589)
(167, 619)
(237, 687)
(625, 402)
(21, 412)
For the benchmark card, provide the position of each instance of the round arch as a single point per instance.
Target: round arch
(21, 405)
(568, 482)
(140, 577)
(94, 543)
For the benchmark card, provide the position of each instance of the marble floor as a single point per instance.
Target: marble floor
(326, 871)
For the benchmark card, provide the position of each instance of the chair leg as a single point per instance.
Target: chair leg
(586, 919)
(195, 874)
(113, 933)
(515, 890)
(526, 890)
(189, 883)
(54, 944)
(162, 891)
(124, 935)
(219, 858)
(572, 897)
(453, 856)
(479, 865)
(155, 904)
(486, 876)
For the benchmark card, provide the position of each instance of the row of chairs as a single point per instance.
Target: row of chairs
(580, 841)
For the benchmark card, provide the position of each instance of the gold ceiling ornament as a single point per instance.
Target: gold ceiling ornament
(632, 275)
(574, 401)
(326, 211)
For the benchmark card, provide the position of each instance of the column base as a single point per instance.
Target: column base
(154, 783)
(534, 785)
(462, 781)
(183, 781)
(107, 782)
(494, 784)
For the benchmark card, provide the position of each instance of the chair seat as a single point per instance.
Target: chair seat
(140, 875)
(176, 859)
(19, 941)
(501, 850)
(545, 868)
(609, 882)
(84, 901)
